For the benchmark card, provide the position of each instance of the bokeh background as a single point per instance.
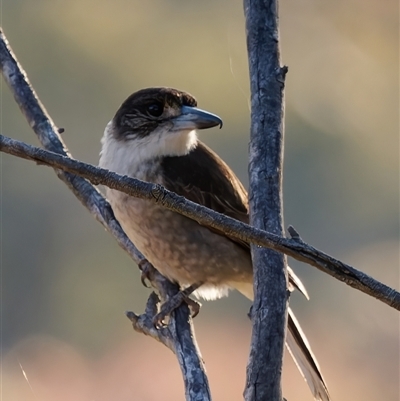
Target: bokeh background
(65, 282)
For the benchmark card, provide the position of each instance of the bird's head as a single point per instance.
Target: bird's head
(157, 122)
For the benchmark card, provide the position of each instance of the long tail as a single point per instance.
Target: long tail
(299, 349)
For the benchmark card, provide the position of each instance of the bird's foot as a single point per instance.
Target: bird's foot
(169, 306)
(146, 268)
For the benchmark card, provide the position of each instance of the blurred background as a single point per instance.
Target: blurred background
(66, 283)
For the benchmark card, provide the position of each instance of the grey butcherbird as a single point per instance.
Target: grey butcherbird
(153, 137)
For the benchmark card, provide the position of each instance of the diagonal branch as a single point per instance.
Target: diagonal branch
(294, 247)
(180, 338)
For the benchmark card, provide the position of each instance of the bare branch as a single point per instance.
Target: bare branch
(180, 336)
(293, 247)
(269, 311)
(49, 137)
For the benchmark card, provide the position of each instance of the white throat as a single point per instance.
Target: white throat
(125, 156)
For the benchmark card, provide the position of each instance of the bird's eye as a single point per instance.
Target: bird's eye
(155, 109)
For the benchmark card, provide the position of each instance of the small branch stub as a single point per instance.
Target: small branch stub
(294, 234)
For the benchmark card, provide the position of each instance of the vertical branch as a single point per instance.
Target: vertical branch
(269, 312)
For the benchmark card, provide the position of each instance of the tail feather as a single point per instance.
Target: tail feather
(299, 348)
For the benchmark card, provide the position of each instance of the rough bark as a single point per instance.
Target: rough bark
(269, 311)
(294, 247)
(179, 336)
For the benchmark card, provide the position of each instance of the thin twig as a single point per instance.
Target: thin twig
(294, 247)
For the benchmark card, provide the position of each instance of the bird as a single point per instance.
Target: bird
(153, 137)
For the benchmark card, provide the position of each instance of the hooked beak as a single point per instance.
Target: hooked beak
(193, 118)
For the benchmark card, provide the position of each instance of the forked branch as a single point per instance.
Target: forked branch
(179, 336)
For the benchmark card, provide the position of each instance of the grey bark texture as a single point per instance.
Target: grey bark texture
(269, 311)
(180, 336)
(294, 246)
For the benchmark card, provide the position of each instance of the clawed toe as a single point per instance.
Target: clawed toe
(146, 269)
(169, 306)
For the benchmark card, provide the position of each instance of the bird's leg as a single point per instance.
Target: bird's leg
(171, 304)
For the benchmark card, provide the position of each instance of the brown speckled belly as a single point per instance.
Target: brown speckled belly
(178, 247)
